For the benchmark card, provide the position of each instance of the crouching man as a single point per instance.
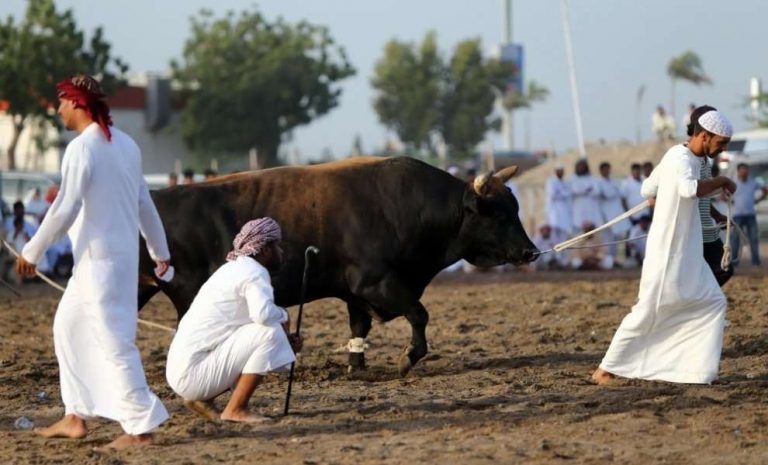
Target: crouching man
(233, 333)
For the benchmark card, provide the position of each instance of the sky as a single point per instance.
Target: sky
(619, 46)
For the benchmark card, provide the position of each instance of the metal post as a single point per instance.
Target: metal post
(572, 73)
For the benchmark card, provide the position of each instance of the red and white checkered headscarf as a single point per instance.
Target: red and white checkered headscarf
(86, 92)
(254, 236)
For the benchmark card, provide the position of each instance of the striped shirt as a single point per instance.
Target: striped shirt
(709, 228)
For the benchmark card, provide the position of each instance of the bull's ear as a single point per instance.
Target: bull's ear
(470, 200)
(482, 185)
(506, 173)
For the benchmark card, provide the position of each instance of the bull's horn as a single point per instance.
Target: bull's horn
(481, 184)
(506, 173)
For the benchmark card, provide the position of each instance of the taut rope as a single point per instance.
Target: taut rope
(55, 285)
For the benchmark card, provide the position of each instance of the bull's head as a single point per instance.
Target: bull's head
(491, 233)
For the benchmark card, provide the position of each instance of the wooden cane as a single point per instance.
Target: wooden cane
(311, 250)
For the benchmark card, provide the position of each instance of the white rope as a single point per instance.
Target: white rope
(602, 244)
(57, 286)
(725, 262)
(571, 242)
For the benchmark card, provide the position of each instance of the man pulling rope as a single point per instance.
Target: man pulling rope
(103, 203)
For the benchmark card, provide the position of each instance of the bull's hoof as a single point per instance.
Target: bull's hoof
(404, 363)
(356, 362)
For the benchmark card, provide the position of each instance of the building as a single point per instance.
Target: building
(143, 109)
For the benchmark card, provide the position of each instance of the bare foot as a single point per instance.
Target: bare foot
(204, 408)
(71, 427)
(602, 377)
(244, 416)
(129, 441)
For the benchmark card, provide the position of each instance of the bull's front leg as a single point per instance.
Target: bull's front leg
(360, 326)
(418, 317)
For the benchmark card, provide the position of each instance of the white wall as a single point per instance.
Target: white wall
(160, 149)
(28, 157)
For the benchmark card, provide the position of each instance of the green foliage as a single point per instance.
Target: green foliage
(409, 82)
(467, 101)
(688, 67)
(420, 95)
(45, 47)
(249, 81)
(533, 94)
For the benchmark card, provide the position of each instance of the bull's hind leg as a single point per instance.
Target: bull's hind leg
(360, 325)
(146, 292)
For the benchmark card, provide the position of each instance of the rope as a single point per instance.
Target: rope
(571, 242)
(57, 286)
(725, 262)
(602, 244)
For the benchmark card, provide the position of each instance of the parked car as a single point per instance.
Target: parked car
(750, 147)
(15, 185)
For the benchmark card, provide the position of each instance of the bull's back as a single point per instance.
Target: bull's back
(362, 210)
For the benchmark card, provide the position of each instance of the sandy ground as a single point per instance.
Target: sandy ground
(506, 382)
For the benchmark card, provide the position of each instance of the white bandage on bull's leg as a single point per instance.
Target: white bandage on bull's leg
(357, 345)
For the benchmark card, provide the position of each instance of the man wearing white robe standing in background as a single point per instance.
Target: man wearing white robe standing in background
(609, 193)
(675, 331)
(103, 203)
(584, 198)
(233, 333)
(559, 205)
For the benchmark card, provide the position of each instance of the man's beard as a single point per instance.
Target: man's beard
(274, 267)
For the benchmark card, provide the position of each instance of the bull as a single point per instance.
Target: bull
(385, 228)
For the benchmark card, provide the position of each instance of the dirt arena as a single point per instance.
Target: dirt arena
(506, 381)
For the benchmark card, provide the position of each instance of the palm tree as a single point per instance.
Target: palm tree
(686, 67)
(534, 93)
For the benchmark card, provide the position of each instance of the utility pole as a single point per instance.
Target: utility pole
(506, 115)
(572, 74)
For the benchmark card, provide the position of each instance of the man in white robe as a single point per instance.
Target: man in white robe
(584, 198)
(675, 331)
(609, 193)
(103, 203)
(558, 204)
(631, 192)
(233, 333)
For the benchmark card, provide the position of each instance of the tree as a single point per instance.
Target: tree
(467, 100)
(45, 47)
(249, 81)
(408, 82)
(759, 117)
(533, 94)
(686, 67)
(419, 96)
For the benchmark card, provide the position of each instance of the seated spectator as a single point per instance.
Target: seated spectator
(173, 179)
(189, 176)
(636, 248)
(588, 256)
(210, 174)
(35, 205)
(545, 240)
(18, 238)
(51, 194)
(18, 212)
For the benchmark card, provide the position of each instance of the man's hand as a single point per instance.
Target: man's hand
(728, 185)
(24, 268)
(651, 201)
(297, 342)
(161, 267)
